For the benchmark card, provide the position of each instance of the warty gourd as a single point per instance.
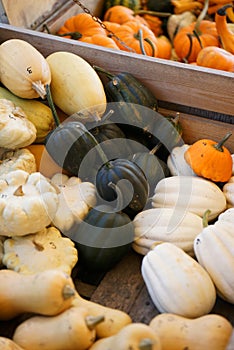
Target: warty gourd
(37, 252)
(28, 203)
(16, 130)
(176, 282)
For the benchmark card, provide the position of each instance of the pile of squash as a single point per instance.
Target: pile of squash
(194, 32)
(167, 203)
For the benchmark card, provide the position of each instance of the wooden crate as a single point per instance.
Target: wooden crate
(204, 98)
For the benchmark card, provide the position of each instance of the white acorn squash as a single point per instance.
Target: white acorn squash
(228, 190)
(190, 193)
(214, 241)
(176, 282)
(176, 162)
(165, 225)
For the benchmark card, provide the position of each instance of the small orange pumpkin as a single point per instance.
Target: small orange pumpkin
(190, 39)
(122, 14)
(79, 26)
(216, 58)
(210, 159)
(164, 47)
(138, 37)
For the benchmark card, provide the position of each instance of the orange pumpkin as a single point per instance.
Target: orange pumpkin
(164, 47)
(210, 159)
(217, 58)
(79, 26)
(122, 14)
(101, 40)
(189, 41)
(225, 34)
(138, 37)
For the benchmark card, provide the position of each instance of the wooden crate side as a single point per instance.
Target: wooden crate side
(174, 82)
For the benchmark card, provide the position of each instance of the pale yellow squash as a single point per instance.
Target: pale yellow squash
(75, 85)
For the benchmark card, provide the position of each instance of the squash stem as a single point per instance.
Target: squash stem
(93, 321)
(73, 35)
(201, 17)
(139, 36)
(146, 344)
(101, 70)
(205, 218)
(116, 188)
(68, 292)
(152, 13)
(51, 105)
(219, 146)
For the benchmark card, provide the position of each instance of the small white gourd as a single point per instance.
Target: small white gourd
(228, 190)
(176, 282)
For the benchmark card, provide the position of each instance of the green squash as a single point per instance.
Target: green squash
(103, 238)
(69, 144)
(153, 167)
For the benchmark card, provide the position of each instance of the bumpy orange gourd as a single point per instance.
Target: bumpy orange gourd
(217, 58)
(225, 34)
(210, 159)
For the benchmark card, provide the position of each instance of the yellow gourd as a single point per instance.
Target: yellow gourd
(135, 336)
(73, 329)
(75, 85)
(8, 344)
(206, 332)
(23, 70)
(47, 293)
(114, 320)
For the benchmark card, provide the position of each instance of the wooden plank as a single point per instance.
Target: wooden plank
(170, 81)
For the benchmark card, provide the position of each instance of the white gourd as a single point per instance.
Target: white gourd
(176, 282)
(214, 241)
(228, 190)
(176, 162)
(165, 225)
(190, 193)
(23, 70)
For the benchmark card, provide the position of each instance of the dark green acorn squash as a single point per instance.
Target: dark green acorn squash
(130, 180)
(69, 144)
(159, 6)
(103, 238)
(153, 167)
